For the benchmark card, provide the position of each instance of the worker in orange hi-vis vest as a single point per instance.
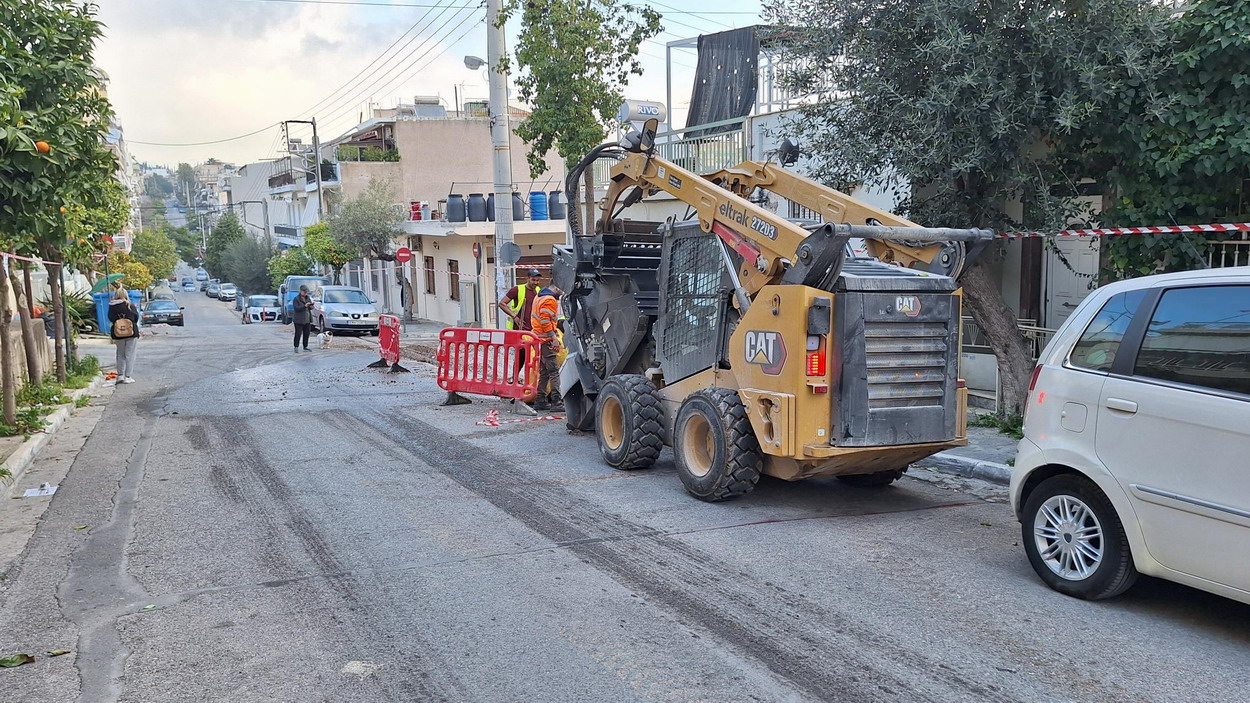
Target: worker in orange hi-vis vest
(544, 324)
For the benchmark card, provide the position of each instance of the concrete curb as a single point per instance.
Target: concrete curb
(20, 460)
(989, 471)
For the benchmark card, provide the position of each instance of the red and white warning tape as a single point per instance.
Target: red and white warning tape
(1111, 231)
(492, 419)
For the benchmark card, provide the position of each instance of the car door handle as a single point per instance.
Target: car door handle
(1125, 406)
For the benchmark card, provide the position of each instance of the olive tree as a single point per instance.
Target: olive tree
(972, 104)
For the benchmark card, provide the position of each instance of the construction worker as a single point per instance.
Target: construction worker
(518, 302)
(544, 325)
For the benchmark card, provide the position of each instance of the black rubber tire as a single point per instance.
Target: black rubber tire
(1115, 574)
(579, 411)
(732, 467)
(375, 332)
(641, 420)
(877, 480)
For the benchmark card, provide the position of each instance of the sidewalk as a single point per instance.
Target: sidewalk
(986, 457)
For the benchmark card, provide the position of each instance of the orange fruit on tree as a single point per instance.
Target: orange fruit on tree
(64, 210)
(42, 147)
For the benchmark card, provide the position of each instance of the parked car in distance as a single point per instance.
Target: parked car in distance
(189, 287)
(345, 309)
(1137, 439)
(227, 291)
(201, 275)
(212, 289)
(240, 301)
(261, 308)
(290, 288)
(163, 294)
(204, 284)
(162, 312)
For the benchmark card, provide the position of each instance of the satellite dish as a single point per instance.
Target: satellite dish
(509, 253)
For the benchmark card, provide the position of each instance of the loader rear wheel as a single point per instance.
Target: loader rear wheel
(883, 478)
(718, 457)
(628, 422)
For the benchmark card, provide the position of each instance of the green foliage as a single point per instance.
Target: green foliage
(1012, 425)
(575, 58)
(29, 421)
(1188, 162)
(49, 94)
(85, 225)
(292, 262)
(46, 393)
(323, 249)
(155, 249)
(157, 186)
(227, 231)
(82, 371)
(186, 245)
(368, 223)
(346, 152)
(966, 100)
(79, 306)
(185, 176)
(246, 264)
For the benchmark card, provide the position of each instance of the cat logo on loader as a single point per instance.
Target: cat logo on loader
(766, 349)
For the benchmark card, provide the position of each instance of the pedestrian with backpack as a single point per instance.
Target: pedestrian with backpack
(125, 333)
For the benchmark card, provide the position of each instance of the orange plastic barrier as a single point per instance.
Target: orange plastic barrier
(488, 362)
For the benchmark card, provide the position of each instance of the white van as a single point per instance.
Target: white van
(1136, 449)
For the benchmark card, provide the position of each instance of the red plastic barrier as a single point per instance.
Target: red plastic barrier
(488, 362)
(388, 337)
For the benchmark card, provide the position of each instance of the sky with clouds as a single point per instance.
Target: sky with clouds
(204, 70)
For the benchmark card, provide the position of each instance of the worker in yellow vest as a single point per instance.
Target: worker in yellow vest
(518, 305)
(518, 302)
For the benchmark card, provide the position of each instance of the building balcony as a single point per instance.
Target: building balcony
(348, 152)
(282, 182)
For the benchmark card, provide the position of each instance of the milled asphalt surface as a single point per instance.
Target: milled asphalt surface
(307, 530)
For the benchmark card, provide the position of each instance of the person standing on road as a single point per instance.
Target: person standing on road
(301, 315)
(124, 319)
(544, 325)
(518, 302)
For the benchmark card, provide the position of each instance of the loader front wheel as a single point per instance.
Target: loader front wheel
(718, 457)
(629, 422)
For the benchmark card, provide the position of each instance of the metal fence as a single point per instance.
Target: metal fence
(1232, 252)
(974, 340)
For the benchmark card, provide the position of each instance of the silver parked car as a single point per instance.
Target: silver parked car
(345, 309)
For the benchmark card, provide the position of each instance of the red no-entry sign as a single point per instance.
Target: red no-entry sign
(404, 255)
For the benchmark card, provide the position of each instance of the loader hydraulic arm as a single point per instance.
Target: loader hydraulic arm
(770, 244)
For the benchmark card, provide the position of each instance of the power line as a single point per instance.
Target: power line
(403, 4)
(215, 141)
(347, 99)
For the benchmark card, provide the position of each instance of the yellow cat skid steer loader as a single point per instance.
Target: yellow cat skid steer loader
(754, 344)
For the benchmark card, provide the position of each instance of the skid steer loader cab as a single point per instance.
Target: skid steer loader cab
(752, 344)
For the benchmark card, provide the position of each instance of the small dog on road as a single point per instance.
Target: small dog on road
(324, 338)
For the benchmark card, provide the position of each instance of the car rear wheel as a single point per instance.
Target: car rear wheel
(1075, 540)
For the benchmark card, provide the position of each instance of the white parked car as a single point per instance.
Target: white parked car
(261, 308)
(1136, 449)
(343, 309)
(227, 292)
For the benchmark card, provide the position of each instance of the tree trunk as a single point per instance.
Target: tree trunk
(8, 374)
(62, 322)
(30, 339)
(998, 324)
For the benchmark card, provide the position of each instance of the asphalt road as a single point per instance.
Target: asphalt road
(270, 526)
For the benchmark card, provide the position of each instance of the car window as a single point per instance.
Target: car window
(1200, 336)
(346, 296)
(162, 305)
(1099, 343)
(262, 300)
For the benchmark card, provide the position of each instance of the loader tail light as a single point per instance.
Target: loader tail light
(816, 363)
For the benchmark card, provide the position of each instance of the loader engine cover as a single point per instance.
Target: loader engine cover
(898, 335)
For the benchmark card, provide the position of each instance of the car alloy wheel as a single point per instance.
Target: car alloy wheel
(1069, 537)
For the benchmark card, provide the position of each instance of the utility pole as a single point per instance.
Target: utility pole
(321, 215)
(499, 133)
